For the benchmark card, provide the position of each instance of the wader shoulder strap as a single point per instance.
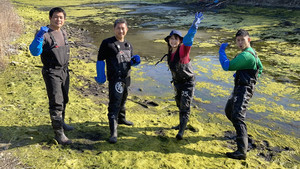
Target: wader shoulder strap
(161, 59)
(54, 41)
(255, 56)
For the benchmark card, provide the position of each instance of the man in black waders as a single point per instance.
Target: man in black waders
(248, 69)
(118, 55)
(52, 44)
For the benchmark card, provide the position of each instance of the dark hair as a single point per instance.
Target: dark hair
(57, 9)
(242, 32)
(121, 20)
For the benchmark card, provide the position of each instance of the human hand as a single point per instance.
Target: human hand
(100, 80)
(198, 19)
(135, 60)
(223, 46)
(42, 31)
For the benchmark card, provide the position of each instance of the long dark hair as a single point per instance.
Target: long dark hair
(176, 59)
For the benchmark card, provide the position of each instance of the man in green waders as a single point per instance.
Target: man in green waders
(52, 44)
(248, 69)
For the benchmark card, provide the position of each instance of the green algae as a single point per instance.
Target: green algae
(150, 143)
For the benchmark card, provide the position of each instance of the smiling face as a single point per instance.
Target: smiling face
(120, 31)
(243, 42)
(57, 20)
(174, 41)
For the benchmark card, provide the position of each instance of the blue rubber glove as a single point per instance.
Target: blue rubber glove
(198, 19)
(40, 34)
(135, 60)
(36, 47)
(223, 58)
(100, 66)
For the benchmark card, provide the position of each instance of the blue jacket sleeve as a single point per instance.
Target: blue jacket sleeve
(100, 66)
(189, 37)
(36, 47)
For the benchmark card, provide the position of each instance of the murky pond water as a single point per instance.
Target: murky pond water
(150, 22)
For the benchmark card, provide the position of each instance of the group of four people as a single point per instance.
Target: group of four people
(51, 43)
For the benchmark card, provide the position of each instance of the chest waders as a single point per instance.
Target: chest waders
(56, 76)
(184, 84)
(118, 91)
(237, 104)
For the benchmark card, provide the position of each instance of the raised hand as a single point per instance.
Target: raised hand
(42, 31)
(198, 19)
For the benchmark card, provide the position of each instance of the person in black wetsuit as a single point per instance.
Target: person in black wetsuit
(248, 69)
(118, 53)
(52, 44)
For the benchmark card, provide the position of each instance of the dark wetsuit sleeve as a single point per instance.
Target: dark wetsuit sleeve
(102, 53)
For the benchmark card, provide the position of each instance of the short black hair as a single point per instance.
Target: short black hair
(57, 9)
(121, 20)
(242, 32)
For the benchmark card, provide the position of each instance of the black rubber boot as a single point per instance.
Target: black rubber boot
(61, 138)
(122, 119)
(57, 124)
(240, 153)
(183, 117)
(66, 126)
(113, 130)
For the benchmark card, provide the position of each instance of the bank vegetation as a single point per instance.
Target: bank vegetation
(10, 27)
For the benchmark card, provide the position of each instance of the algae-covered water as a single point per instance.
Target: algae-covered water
(273, 117)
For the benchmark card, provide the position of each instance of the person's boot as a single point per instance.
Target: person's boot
(61, 138)
(113, 130)
(66, 126)
(57, 125)
(183, 121)
(122, 119)
(240, 153)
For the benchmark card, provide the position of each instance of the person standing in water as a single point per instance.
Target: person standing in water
(118, 53)
(183, 77)
(248, 69)
(52, 44)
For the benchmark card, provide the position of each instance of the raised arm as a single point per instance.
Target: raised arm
(189, 37)
(36, 46)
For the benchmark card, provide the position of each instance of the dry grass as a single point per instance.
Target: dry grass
(10, 27)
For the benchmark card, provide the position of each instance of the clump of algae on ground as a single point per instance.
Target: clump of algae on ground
(149, 144)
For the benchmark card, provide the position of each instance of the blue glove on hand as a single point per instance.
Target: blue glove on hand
(198, 19)
(100, 66)
(223, 47)
(135, 60)
(222, 57)
(36, 46)
(42, 31)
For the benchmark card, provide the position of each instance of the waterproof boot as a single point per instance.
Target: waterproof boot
(122, 119)
(113, 130)
(61, 138)
(183, 118)
(66, 126)
(240, 153)
(57, 125)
